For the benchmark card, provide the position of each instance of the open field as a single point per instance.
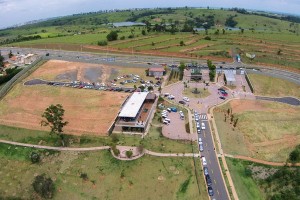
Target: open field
(270, 86)
(88, 111)
(275, 42)
(265, 130)
(108, 178)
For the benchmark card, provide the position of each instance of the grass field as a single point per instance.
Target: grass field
(270, 86)
(108, 178)
(188, 92)
(268, 36)
(255, 181)
(246, 187)
(265, 130)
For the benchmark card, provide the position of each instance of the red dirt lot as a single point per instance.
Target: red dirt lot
(87, 111)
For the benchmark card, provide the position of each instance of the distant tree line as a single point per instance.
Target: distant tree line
(20, 39)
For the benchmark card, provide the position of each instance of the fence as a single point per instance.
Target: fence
(249, 82)
(25, 72)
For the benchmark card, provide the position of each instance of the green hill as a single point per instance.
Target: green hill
(273, 38)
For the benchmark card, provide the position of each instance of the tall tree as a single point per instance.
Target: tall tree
(1, 60)
(54, 118)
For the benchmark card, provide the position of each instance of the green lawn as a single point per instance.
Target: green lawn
(246, 187)
(108, 178)
(154, 141)
(270, 86)
(189, 92)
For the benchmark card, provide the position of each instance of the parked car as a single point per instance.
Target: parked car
(201, 147)
(204, 163)
(173, 109)
(210, 191)
(198, 130)
(182, 102)
(186, 99)
(166, 122)
(208, 180)
(205, 169)
(202, 126)
(222, 97)
(200, 140)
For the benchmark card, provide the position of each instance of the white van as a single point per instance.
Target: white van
(169, 110)
(164, 116)
(202, 126)
(204, 163)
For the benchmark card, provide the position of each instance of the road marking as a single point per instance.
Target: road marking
(209, 162)
(218, 192)
(215, 181)
(212, 171)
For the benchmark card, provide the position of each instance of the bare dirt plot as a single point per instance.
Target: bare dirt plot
(265, 130)
(88, 111)
(71, 71)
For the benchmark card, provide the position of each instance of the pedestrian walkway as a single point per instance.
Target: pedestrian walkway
(203, 117)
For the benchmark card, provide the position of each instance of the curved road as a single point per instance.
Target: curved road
(288, 100)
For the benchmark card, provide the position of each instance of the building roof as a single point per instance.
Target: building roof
(229, 75)
(133, 105)
(150, 96)
(156, 69)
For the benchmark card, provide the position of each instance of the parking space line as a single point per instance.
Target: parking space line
(215, 181)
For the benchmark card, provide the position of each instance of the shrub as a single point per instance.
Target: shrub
(181, 43)
(114, 138)
(34, 157)
(122, 38)
(131, 36)
(113, 35)
(102, 43)
(207, 38)
(295, 154)
(84, 176)
(44, 186)
(115, 150)
(129, 154)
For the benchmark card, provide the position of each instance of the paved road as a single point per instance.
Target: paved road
(209, 153)
(288, 100)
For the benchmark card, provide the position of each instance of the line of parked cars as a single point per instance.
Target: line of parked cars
(87, 85)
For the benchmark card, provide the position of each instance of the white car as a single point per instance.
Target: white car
(186, 99)
(204, 161)
(200, 140)
(202, 126)
(166, 122)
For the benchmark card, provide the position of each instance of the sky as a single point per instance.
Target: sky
(14, 12)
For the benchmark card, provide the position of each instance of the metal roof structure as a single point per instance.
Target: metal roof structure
(133, 105)
(229, 74)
